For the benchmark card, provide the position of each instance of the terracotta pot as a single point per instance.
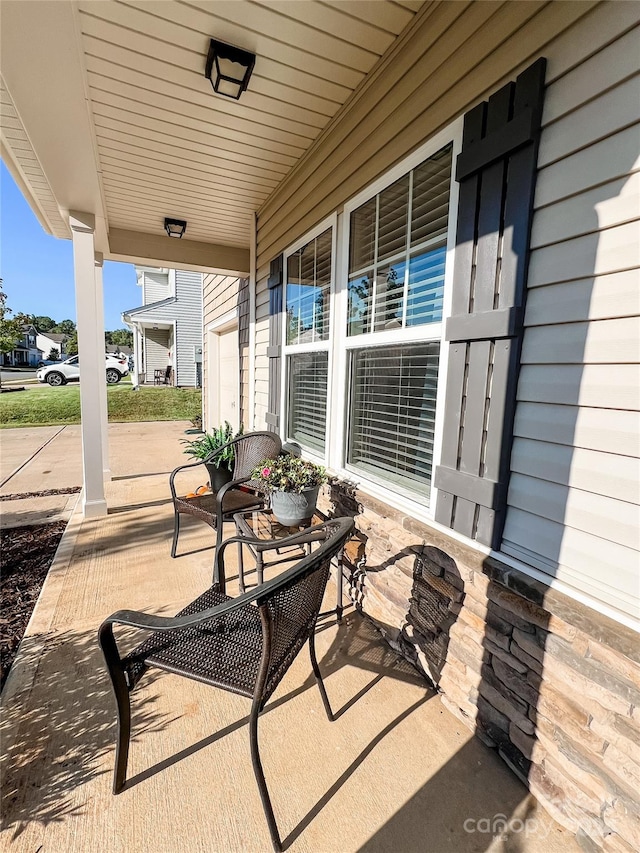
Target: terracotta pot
(292, 509)
(218, 476)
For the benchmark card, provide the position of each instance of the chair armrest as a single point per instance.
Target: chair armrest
(220, 497)
(149, 622)
(231, 485)
(181, 468)
(311, 534)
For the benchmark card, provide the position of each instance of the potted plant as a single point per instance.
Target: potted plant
(293, 484)
(219, 465)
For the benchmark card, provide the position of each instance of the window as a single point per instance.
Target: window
(307, 399)
(397, 251)
(361, 376)
(392, 412)
(395, 297)
(307, 325)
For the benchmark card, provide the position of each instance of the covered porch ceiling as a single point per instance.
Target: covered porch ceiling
(106, 110)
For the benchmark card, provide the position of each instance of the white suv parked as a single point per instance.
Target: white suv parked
(67, 371)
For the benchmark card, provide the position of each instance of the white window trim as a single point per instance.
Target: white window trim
(314, 346)
(343, 343)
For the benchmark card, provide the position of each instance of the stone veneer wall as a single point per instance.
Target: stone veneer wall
(550, 684)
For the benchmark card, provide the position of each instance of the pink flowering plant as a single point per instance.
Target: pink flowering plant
(289, 474)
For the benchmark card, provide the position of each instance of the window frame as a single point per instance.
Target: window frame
(343, 344)
(330, 222)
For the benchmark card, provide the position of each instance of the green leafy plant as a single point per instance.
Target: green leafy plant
(207, 445)
(289, 474)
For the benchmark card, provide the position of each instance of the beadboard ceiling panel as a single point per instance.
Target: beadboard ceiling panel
(166, 145)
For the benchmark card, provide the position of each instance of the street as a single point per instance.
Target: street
(17, 375)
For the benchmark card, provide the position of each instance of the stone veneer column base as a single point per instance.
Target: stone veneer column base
(550, 684)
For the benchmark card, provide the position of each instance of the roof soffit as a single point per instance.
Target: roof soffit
(43, 73)
(126, 126)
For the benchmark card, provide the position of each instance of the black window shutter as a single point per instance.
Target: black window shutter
(496, 170)
(274, 350)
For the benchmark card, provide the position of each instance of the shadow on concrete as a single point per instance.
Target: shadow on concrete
(63, 727)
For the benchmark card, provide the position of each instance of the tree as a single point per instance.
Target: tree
(119, 338)
(10, 327)
(43, 324)
(54, 354)
(72, 343)
(66, 327)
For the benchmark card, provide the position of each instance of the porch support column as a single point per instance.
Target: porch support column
(136, 354)
(102, 386)
(92, 363)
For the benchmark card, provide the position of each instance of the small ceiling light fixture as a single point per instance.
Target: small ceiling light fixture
(229, 68)
(175, 227)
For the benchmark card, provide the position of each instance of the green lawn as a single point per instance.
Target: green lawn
(40, 405)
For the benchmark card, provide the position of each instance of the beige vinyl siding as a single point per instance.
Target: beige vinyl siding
(261, 344)
(451, 57)
(574, 493)
(579, 380)
(244, 321)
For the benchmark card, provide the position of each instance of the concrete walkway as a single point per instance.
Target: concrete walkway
(395, 773)
(38, 460)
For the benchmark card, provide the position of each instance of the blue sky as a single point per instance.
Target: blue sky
(37, 269)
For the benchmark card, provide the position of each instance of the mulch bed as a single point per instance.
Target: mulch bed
(25, 556)
(18, 496)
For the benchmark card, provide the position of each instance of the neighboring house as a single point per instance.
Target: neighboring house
(112, 349)
(167, 327)
(46, 341)
(26, 352)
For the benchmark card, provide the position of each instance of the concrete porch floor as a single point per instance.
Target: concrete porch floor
(395, 773)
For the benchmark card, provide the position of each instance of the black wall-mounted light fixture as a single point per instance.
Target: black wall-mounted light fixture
(175, 227)
(229, 68)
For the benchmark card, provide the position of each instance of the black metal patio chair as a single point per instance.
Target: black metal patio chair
(219, 506)
(244, 645)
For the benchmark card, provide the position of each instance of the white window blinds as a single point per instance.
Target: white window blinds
(397, 250)
(308, 399)
(392, 413)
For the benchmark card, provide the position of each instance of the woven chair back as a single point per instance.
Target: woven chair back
(251, 449)
(292, 611)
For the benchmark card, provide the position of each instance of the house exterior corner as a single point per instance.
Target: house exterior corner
(485, 442)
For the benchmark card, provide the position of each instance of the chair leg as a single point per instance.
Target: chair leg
(259, 774)
(123, 703)
(240, 568)
(124, 735)
(176, 530)
(318, 675)
(216, 573)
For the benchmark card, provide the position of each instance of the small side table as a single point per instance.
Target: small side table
(262, 524)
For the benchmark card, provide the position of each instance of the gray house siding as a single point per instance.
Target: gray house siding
(188, 334)
(156, 346)
(155, 287)
(181, 307)
(573, 495)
